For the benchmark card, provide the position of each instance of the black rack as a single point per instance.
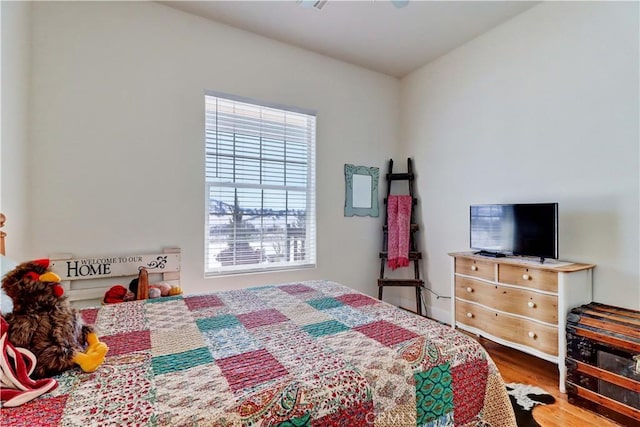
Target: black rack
(414, 254)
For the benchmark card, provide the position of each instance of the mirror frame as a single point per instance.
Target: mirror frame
(349, 172)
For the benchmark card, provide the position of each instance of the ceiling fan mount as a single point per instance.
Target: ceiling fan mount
(319, 4)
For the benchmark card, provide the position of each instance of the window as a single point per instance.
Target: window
(260, 186)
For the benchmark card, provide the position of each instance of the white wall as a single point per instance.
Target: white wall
(16, 44)
(117, 134)
(542, 108)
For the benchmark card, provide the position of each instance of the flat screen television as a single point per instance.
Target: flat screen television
(528, 229)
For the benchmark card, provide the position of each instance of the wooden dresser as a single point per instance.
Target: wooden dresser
(519, 302)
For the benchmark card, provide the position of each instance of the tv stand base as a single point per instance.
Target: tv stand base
(490, 254)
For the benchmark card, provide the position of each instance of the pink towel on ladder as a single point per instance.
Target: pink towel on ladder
(398, 222)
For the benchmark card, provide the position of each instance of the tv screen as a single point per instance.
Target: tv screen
(529, 229)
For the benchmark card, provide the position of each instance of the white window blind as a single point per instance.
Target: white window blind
(260, 186)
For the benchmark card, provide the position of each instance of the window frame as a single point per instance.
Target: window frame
(308, 251)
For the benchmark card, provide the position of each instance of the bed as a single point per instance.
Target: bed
(295, 354)
(313, 353)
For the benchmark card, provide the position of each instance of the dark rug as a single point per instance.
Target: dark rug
(524, 398)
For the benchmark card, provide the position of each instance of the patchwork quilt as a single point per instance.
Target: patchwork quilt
(300, 354)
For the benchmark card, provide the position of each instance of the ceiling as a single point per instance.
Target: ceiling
(373, 34)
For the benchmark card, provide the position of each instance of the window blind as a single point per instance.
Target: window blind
(260, 186)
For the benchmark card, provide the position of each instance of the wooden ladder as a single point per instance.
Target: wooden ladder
(414, 254)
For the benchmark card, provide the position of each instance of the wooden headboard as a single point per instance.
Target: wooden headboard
(2, 234)
(78, 275)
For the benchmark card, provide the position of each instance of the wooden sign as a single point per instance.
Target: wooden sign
(114, 266)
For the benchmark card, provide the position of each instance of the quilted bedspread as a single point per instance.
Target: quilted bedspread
(312, 353)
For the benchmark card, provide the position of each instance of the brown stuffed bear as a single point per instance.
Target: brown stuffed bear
(44, 322)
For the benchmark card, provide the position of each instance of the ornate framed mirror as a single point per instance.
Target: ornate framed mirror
(361, 190)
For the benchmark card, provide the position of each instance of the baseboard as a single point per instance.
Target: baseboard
(439, 314)
(442, 316)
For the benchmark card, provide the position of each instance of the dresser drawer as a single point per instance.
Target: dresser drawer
(510, 328)
(471, 267)
(530, 277)
(525, 303)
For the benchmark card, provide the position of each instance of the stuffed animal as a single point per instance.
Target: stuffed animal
(116, 294)
(175, 290)
(154, 292)
(164, 288)
(44, 322)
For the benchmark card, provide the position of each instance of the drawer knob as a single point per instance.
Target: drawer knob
(470, 315)
(532, 335)
(526, 277)
(531, 304)
(469, 289)
(474, 268)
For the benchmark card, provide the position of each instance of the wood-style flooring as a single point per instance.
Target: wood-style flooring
(518, 367)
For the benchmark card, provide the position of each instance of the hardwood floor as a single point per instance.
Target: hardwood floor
(519, 367)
